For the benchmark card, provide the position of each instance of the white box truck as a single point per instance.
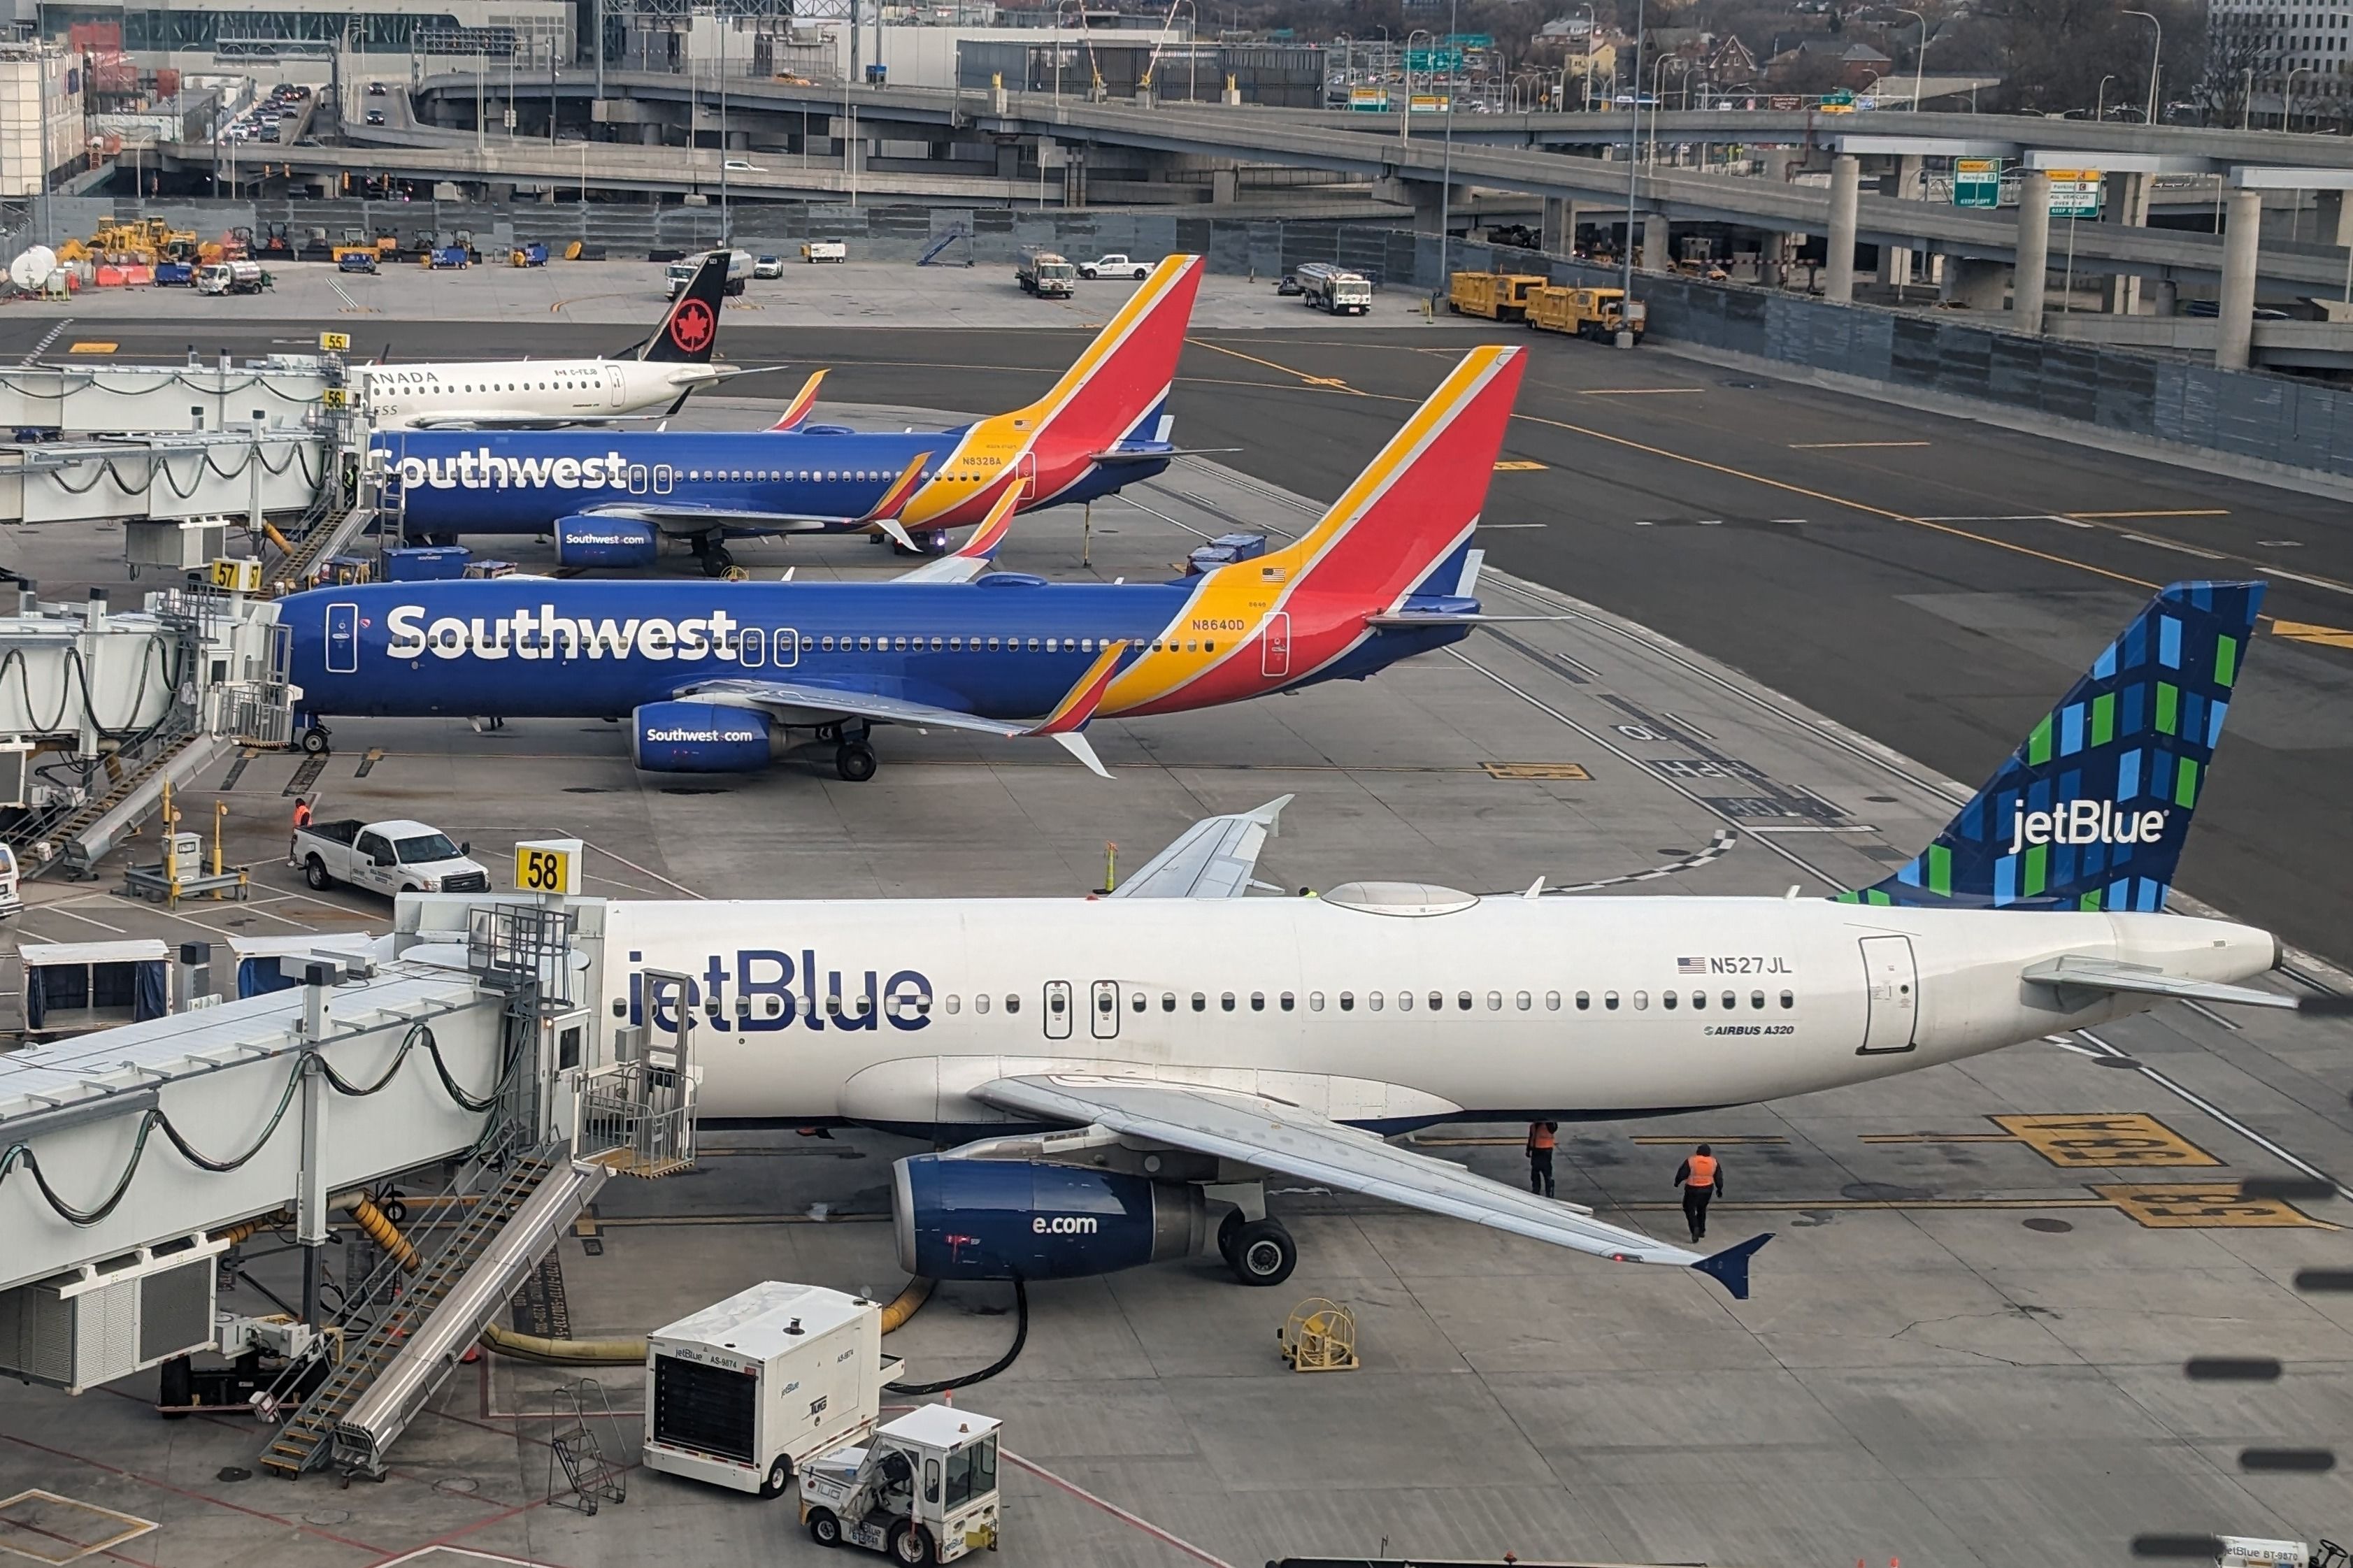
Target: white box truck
(741, 1394)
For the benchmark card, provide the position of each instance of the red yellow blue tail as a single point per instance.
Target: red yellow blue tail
(804, 402)
(1259, 626)
(1123, 376)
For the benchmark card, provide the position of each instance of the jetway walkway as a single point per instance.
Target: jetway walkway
(165, 477)
(134, 1161)
(281, 390)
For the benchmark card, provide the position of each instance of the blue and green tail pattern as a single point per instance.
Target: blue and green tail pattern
(2090, 812)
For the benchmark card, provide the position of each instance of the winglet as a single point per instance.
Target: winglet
(989, 537)
(803, 402)
(1729, 1267)
(1071, 714)
(895, 499)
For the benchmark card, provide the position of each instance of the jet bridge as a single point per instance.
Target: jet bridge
(463, 1055)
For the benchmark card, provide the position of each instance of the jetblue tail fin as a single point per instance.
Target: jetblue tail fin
(691, 331)
(2091, 811)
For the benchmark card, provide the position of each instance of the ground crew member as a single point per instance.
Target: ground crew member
(1701, 1177)
(302, 821)
(1542, 1136)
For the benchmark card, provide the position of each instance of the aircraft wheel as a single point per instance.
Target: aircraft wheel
(1263, 1253)
(824, 1529)
(854, 761)
(314, 740)
(1226, 1228)
(716, 560)
(935, 542)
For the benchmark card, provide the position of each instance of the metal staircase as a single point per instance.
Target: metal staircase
(576, 1453)
(305, 1441)
(933, 252)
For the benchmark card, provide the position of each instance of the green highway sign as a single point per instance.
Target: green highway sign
(2074, 193)
(1976, 181)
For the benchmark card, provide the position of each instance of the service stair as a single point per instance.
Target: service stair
(388, 1375)
(933, 252)
(86, 834)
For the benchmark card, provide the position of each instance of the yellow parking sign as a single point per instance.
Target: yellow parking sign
(548, 866)
(334, 343)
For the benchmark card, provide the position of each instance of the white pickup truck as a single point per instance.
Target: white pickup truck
(390, 858)
(1114, 266)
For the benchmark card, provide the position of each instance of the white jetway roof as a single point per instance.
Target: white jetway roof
(135, 950)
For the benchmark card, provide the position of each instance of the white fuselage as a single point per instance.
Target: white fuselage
(411, 397)
(1508, 1007)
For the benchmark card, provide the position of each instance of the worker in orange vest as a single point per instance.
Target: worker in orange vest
(1542, 1136)
(302, 821)
(1701, 1178)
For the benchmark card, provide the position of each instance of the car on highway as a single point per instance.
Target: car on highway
(376, 90)
(769, 267)
(1114, 266)
(2210, 309)
(376, 117)
(744, 166)
(396, 856)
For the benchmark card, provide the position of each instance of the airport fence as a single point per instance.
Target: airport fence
(2269, 418)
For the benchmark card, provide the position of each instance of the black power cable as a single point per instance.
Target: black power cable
(1013, 1353)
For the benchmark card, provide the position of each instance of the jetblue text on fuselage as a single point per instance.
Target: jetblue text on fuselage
(2084, 822)
(483, 470)
(542, 634)
(805, 993)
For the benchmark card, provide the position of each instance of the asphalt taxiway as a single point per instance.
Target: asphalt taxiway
(1967, 1344)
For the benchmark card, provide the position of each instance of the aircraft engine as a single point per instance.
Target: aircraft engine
(586, 539)
(1003, 1219)
(701, 738)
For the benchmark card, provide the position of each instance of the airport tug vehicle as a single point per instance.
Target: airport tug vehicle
(922, 1489)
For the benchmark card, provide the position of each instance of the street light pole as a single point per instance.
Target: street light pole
(1446, 164)
(1633, 160)
(2100, 100)
(2155, 54)
(1919, 56)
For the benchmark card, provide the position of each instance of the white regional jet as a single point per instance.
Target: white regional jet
(656, 376)
(1118, 1070)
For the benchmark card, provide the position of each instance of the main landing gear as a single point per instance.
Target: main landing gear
(315, 740)
(1259, 1251)
(712, 551)
(853, 758)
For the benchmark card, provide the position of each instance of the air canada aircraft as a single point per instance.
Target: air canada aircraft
(609, 499)
(716, 677)
(1124, 1073)
(654, 377)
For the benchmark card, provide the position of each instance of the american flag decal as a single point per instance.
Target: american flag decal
(1691, 966)
(1273, 573)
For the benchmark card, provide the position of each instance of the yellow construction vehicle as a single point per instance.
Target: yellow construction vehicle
(1498, 296)
(1596, 314)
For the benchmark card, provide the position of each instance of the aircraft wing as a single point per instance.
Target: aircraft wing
(1252, 1129)
(692, 519)
(1212, 859)
(812, 702)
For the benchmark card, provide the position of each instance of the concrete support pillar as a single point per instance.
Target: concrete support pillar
(2027, 282)
(2164, 297)
(1895, 260)
(2242, 243)
(1773, 163)
(1559, 226)
(1846, 184)
(1973, 284)
(2127, 203)
(1658, 244)
(1226, 185)
(2336, 219)
(1008, 162)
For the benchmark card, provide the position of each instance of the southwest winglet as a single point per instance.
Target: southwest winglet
(1729, 1267)
(798, 410)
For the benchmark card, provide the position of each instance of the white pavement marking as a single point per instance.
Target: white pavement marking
(2192, 1097)
(2169, 544)
(61, 910)
(1116, 1511)
(2300, 577)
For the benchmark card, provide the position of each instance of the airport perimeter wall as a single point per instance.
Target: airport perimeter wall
(2270, 425)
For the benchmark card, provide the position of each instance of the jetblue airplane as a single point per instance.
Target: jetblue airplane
(655, 376)
(714, 677)
(1134, 1069)
(609, 500)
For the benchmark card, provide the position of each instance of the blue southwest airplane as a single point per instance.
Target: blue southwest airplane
(611, 498)
(714, 677)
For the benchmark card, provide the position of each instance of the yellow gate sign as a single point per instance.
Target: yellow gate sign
(334, 343)
(335, 397)
(548, 866)
(2095, 1141)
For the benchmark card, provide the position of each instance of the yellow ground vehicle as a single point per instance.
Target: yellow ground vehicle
(1498, 296)
(1596, 314)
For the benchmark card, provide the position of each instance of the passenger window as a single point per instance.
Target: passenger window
(1168, 1001)
(1668, 1000)
(936, 647)
(1347, 1002)
(1524, 1000)
(1463, 1001)
(833, 1006)
(1012, 1003)
(865, 645)
(1200, 1003)
(1643, 1000)
(1757, 999)
(1208, 648)
(992, 645)
(1315, 1001)
(826, 642)
(1495, 1001)
(1609, 1001)
(1033, 645)
(1699, 999)
(1789, 999)
(1227, 1001)
(1049, 644)
(1286, 1001)
(980, 1003)
(955, 645)
(1584, 1000)
(1405, 1002)
(1055, 1002)
(1731, 1000)
(1438, 1001)
(956, 1003)
(1376, 1000)
(1137, 1005)
(1258, 1001)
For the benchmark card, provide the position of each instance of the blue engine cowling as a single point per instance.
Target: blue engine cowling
(699, 738)
(1030, 1219)
(586, 539)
